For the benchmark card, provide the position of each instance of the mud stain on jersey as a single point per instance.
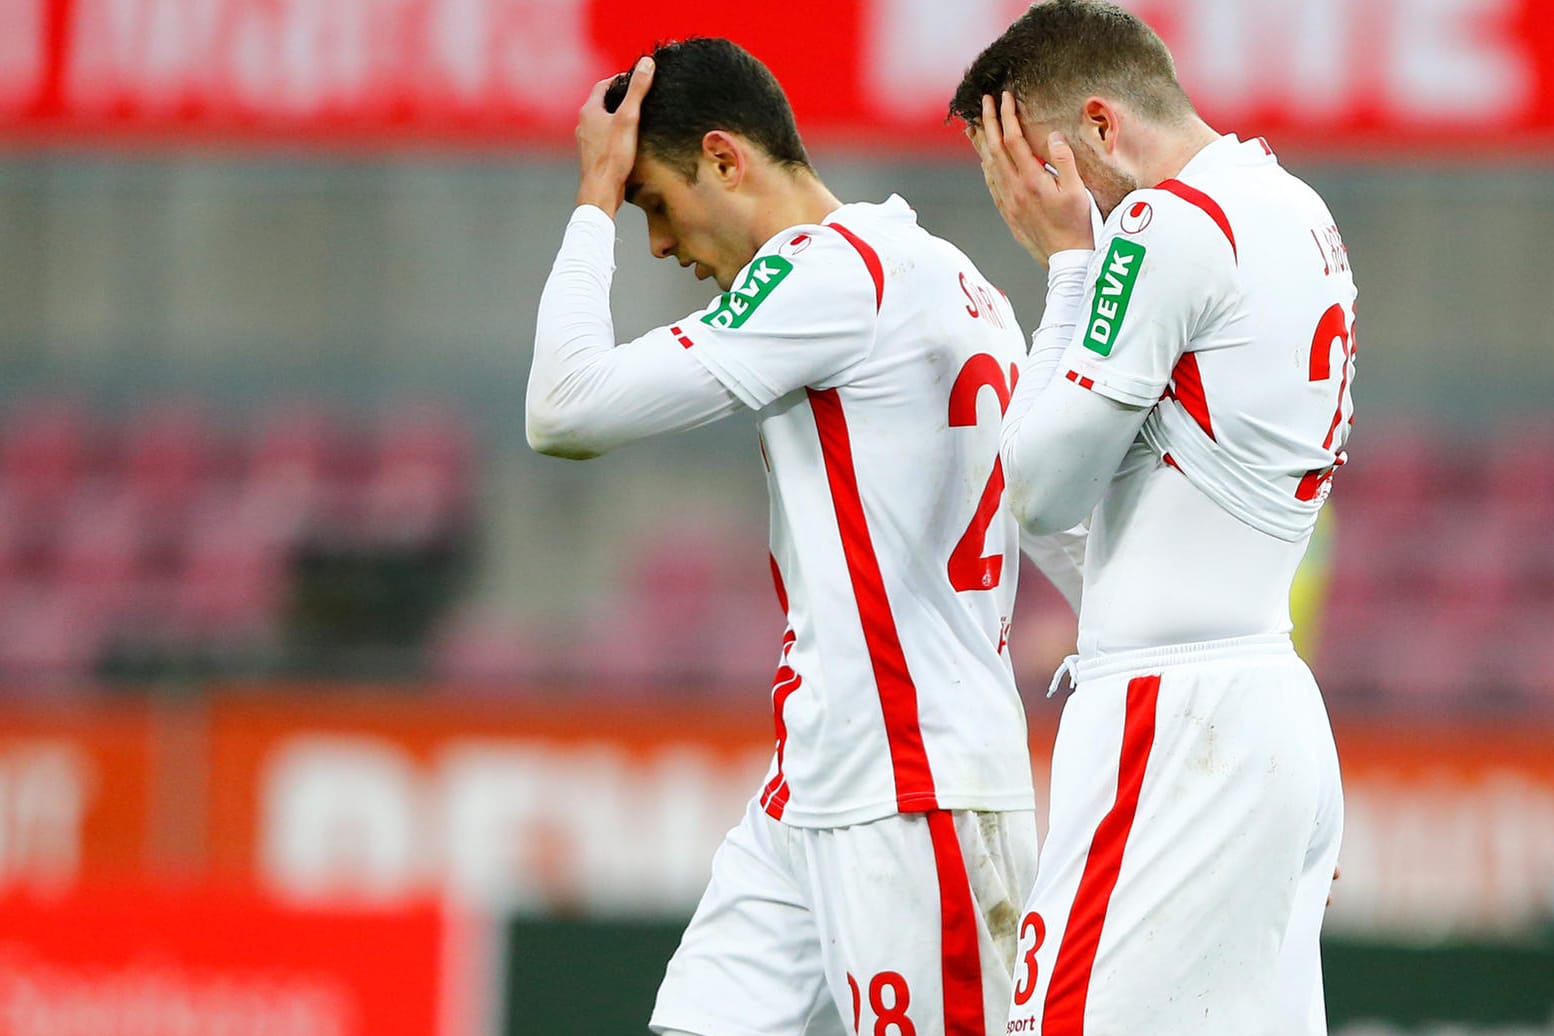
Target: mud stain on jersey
(1002, 920)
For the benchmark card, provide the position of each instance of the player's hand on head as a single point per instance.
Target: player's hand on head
(1046, 212)
(607, 141)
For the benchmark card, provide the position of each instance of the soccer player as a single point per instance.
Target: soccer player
(875, 881)
(1190, 385)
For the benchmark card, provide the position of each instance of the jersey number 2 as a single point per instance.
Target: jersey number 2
(969, 568)
(1335, 325)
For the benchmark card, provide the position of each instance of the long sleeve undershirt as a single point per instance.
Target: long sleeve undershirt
(586, 395)
(1061, 443)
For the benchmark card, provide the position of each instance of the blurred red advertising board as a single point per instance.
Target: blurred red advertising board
(76, 795)
(595, 804)
(616, 809)
(327, 798)
(1343, 77)
(138, 960)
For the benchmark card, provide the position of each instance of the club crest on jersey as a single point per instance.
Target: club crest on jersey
(1137, 217)
(760, 281)
(797, 245)
(1113, 291)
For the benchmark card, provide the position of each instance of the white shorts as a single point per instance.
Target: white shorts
(1195, 821)
(898, 926)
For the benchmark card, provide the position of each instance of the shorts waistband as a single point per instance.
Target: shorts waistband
(1093, 667)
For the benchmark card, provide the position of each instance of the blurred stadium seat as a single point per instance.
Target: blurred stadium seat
(165, 543)
(1442, 573)
(166, 540)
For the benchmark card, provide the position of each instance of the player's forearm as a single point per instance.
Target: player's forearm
(1060, 315)
(572, 340)
(1059, 320)
(1061, 457)
(587, 395)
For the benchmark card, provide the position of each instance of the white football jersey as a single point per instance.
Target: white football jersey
(879, 361)
(1224, 299)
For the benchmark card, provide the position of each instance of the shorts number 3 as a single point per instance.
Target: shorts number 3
(1025, 986)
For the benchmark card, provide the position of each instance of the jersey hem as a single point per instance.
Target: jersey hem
(1186, 457)
(1008, 802)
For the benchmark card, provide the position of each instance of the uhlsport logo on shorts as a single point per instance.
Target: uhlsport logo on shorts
(1112, 293)
(759, 283)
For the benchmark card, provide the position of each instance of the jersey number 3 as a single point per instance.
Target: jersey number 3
(969, 568)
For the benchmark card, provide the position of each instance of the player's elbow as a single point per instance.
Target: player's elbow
(1040, 508)
(557, 432)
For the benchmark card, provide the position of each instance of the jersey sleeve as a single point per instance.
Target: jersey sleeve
(802, 314)
(585, 395)
(1162, 270)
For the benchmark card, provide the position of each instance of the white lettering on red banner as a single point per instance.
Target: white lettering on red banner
(1445, 856)
(23, 57)
(1459, 59)
(918, 50)
(1361, 74)
(505, 824)
(36, 999)
(43, 798)
(384, 59)
(1428, 61)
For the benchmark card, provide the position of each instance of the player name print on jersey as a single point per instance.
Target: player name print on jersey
(1118, 274)
(759, 283)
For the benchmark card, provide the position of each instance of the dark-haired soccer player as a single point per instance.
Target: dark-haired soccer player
(873, 884)
(1191, 384)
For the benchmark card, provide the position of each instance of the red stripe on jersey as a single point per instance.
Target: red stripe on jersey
(680, 337)
(1193, 196)
(1187, 389)
(1264, 143)
(898, 693)
(1063, 1014)
(775, 795)
(1082, 382)
(1170, 460)
(871, 259)
(1312, 481)
(782, 590)
(959, 956)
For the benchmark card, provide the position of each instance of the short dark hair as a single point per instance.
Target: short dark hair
(708, 83)
(1061, 51)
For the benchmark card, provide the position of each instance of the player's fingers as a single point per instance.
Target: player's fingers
(996, 167)
(1063, 161)
(596, 95)
(989, 123)
(992, 133)
(984, 155)
(1024, 161)
(636, 89)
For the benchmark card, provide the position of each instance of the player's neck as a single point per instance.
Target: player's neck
(1174, 147)
(792, 199)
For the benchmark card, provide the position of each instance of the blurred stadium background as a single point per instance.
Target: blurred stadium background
(330, 709)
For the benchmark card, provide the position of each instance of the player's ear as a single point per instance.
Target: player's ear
(725, 156)
(1098, 118)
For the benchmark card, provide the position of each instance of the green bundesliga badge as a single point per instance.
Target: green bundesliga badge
(1112, 293)
(759, 283)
